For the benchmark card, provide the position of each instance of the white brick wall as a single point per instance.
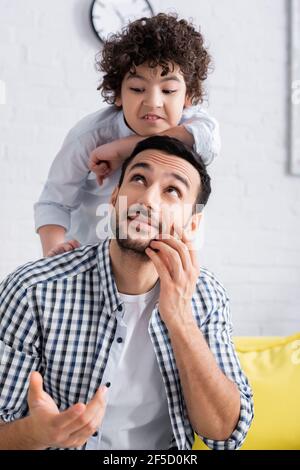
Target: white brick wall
(252, 225)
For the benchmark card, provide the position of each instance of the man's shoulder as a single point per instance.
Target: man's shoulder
(209, 291)
(58, 267)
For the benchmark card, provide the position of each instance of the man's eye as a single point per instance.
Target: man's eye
(137, 90)
(175, 191)
(138, 178)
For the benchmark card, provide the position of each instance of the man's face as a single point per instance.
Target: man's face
(153, 103)
(158, 193)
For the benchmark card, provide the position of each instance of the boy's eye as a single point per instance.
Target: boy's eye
(169, 92)
(175, 191)
(137, 90)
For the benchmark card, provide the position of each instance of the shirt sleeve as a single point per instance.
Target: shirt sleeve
(217, 332)
(61, 193)
(205, 130)
(19, 349)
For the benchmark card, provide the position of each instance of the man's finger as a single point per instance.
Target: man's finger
(84, 433)
(192, 250)
(171, 255)
(67, 419)
(182, 249)
(35, 387)
(93, 410)
(160, 266)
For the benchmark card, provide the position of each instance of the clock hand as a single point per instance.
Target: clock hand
(119, 15)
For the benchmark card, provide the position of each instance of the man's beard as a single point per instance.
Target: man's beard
(129, 238)
(136, 247)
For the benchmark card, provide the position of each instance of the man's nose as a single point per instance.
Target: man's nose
(151, 199)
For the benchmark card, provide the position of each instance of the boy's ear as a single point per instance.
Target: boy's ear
(188, 102)
(118, 101)
(114, 196)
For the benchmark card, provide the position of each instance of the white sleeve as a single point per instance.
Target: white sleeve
(61, 192)
(205, 130)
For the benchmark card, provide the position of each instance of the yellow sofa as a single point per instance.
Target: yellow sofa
(272, 365)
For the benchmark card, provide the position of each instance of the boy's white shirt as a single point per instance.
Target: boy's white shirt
(72, 197)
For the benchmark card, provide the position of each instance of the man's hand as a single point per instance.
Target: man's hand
(70, 428)
(63, 248)
(106, 159)
(177, 266)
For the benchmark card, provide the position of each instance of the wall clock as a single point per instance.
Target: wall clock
(109, 16)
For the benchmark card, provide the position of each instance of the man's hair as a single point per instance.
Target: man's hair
(158, 40)
(173, 146)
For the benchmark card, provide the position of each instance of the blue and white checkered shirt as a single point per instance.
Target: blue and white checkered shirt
(58, 316)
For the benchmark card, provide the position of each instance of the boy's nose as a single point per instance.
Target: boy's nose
(153, 100)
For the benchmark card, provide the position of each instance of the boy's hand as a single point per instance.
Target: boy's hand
(63, 248)
(70, 428)
(106, 159)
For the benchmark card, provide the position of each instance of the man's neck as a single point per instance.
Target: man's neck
(133, 275)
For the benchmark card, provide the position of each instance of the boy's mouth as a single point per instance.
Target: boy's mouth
(151, 117)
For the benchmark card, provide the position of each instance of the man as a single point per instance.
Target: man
(131, 318)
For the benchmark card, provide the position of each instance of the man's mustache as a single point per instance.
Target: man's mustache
(137, 210)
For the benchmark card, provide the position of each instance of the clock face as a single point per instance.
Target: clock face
(109, 16)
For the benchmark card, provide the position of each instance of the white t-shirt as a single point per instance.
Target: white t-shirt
(137, 415)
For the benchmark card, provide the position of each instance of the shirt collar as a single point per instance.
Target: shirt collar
(124, 130)
(107, 281)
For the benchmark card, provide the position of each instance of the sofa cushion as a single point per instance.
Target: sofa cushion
(272, 365)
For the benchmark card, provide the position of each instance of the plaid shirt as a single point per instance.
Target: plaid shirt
(58, 316)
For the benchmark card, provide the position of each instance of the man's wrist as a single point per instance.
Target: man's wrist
(181, 321)
(19, 435)
(27, 429)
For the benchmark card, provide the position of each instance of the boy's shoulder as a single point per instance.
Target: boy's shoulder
(106, 118)
(193, 110)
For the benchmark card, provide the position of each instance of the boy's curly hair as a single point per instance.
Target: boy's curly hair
(158, 40)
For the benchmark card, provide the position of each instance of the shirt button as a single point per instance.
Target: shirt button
(120, 308)
(119, 340)
(107, 384)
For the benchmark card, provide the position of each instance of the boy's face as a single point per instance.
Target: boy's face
(153, 103)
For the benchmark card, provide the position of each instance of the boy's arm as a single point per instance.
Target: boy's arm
(108, 157)
(196, 129)
(51, 236)
(205, 131)
(60, 195)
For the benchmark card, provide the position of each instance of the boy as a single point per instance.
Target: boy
(153, 80)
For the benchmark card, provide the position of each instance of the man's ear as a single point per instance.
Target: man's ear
(114, 196)
(193, 224)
